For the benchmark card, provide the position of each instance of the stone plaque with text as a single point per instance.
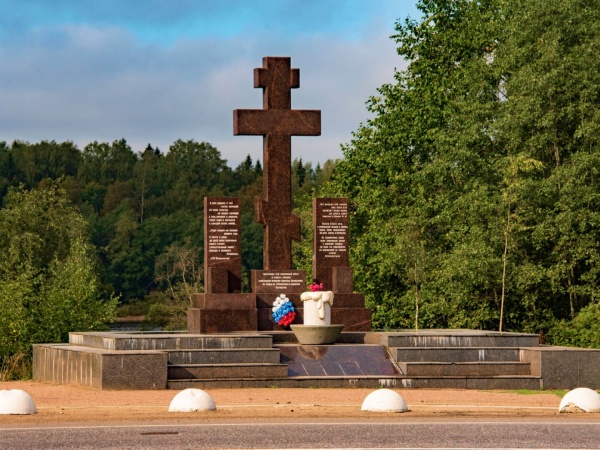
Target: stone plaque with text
(330, 238)
(222, 245)
(278, 281)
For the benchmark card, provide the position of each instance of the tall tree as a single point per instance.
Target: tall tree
(467, 160)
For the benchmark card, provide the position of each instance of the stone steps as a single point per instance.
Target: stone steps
(168, 341)
(224, 356)
(225, 371)
(372, 382)
(455, 354)
(459, 359)
(467, 369)
(460, 338)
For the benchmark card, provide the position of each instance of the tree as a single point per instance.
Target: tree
(7, 172)
(485, 147)
(46, 159)
(180, 271)
(48, 279)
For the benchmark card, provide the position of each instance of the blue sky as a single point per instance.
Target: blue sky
(153, 71)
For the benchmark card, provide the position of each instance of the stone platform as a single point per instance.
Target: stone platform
(464, 359)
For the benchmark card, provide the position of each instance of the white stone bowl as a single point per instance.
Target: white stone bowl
(585, 399)
(384, 400)
(16, 401)
(190, 400)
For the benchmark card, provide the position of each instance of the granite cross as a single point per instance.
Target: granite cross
(277, 123)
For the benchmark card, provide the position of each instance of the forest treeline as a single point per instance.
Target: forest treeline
(144, 210)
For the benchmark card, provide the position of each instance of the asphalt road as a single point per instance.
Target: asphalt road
(325, 434)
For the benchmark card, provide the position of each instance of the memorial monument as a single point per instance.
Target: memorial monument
(222, 307)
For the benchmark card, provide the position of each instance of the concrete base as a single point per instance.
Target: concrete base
(100, 368)
(461, 359)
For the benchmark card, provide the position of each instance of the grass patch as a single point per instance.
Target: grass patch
(558, 392)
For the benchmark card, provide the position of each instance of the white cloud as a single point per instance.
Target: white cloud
(86, 83)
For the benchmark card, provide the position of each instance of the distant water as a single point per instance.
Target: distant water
(131, 326)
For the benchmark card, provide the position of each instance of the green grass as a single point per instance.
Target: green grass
(559, 392)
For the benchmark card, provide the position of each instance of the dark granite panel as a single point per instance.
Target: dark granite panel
(341, 280)
(216, 371)
(333, 369)
(217, 279)
(224, 356)
(134, 371)
(512, 383)
(221, 320)
(336, 360)
(560, 368)
(353, 319)
(224, 301)
(589, 368)
(348, 300)
(354, 368)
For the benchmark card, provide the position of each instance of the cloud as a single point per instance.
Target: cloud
(86, 82)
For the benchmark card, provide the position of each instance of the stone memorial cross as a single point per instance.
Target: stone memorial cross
(277, 123)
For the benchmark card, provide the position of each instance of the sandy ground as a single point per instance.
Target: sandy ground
(72, 405)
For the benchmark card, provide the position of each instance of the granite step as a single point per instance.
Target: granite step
(224, 356)
(168, 341)
(460, 338)
(455, 354)
(225, 371)
(371, 382)
(445, 369)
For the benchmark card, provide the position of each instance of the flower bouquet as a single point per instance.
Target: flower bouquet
(283, 311)
(315, 286)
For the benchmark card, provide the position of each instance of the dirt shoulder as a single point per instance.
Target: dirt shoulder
(71, 405)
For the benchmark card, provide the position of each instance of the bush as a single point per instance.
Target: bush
(582, 331)
(169, 316)
(48, 279)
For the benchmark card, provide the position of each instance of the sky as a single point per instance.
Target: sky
(154, 71)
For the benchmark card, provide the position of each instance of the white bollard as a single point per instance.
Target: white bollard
(190, 400)
(16, 401)
(585, 399)
(384, 400)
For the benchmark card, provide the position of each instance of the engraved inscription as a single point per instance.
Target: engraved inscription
(279, 281)
(223, 240)
(332, 229)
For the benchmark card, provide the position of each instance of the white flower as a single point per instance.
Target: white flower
(280, 301)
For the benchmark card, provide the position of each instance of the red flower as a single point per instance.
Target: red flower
(314, 287)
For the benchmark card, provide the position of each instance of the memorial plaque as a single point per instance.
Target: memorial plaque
(222, 245)
(278, 281)
(330, 238)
